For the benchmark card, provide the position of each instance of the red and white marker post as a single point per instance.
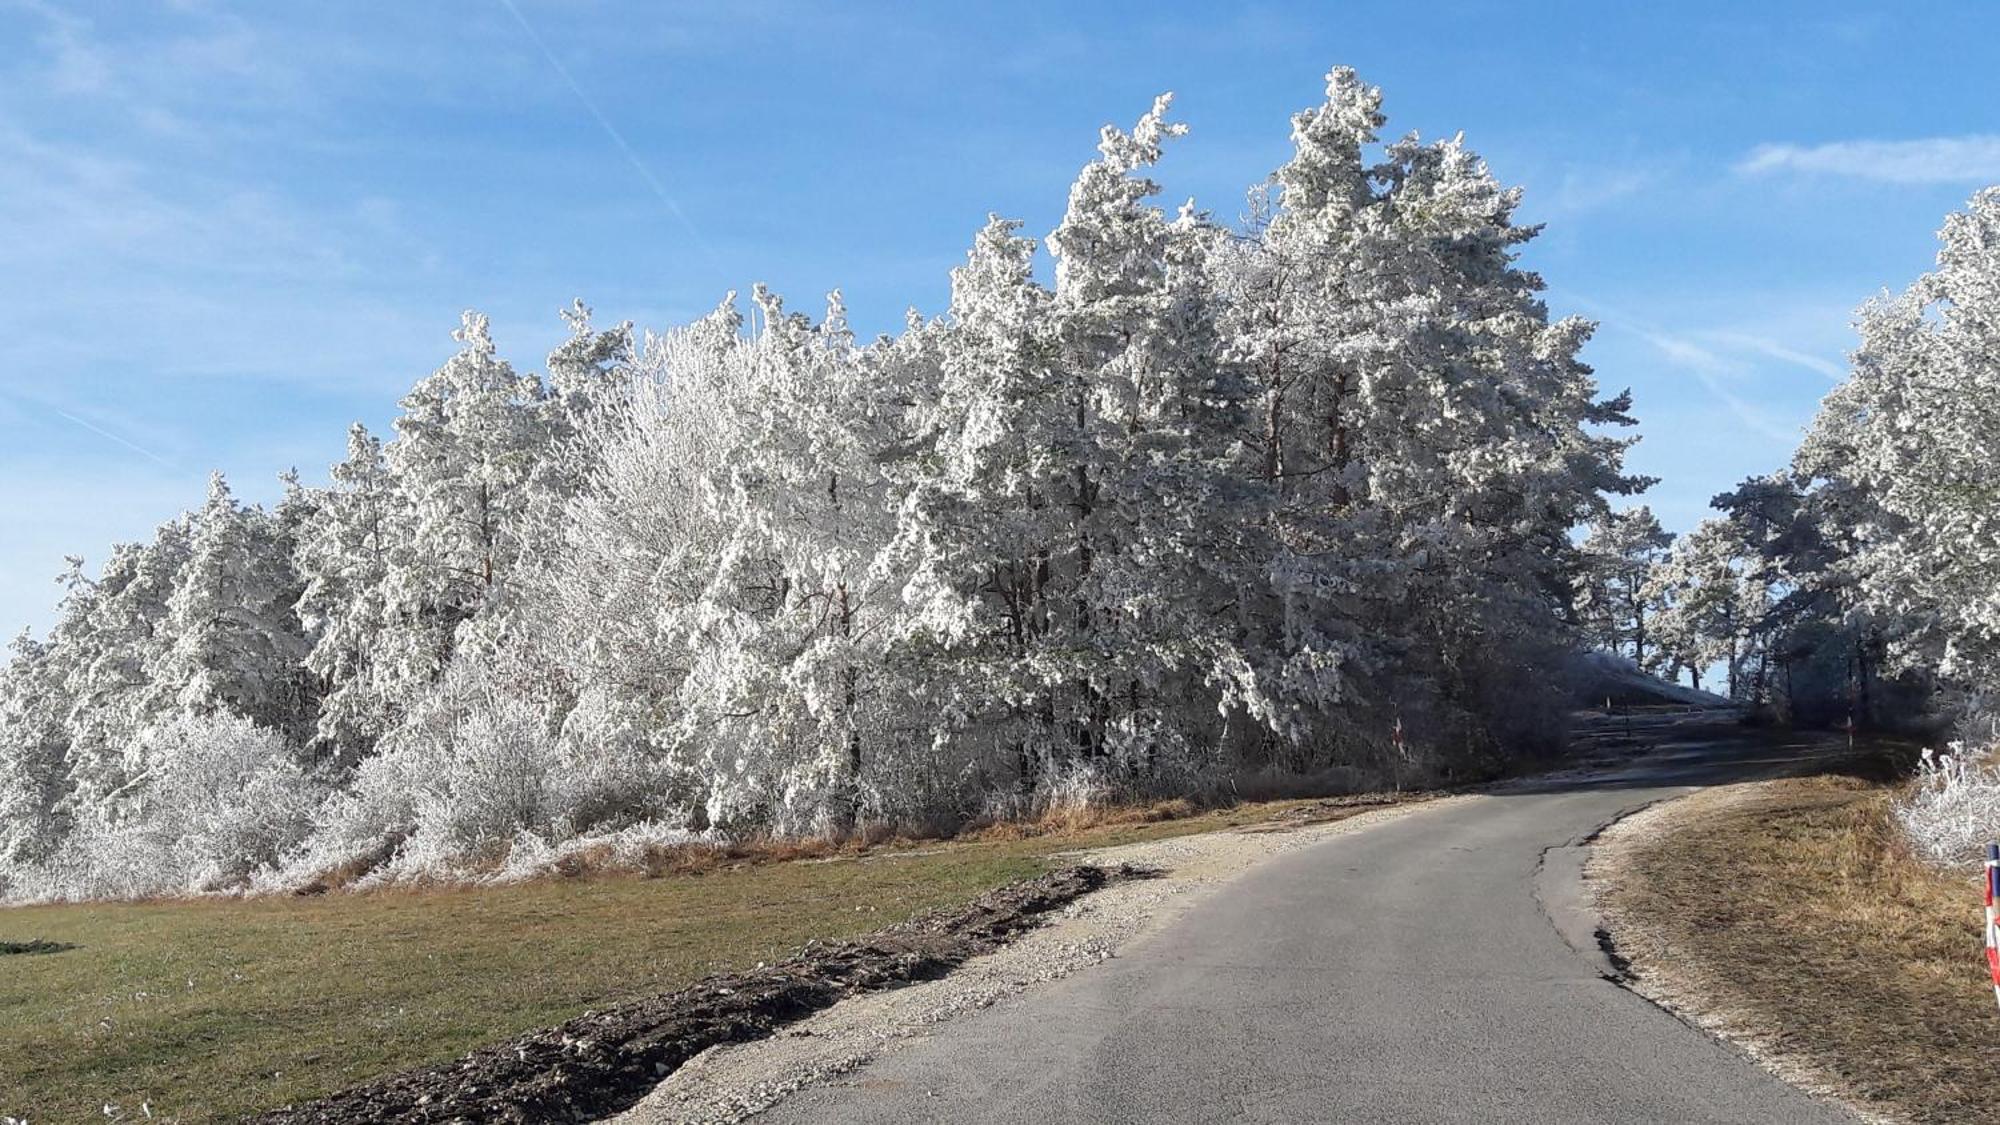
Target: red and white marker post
(1993, 923)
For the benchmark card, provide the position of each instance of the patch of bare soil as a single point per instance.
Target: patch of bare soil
(603, 1062)
(1788, 917)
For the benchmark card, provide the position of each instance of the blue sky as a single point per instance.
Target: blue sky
(226, 231)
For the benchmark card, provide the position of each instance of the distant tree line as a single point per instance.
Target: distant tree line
(1862, 583)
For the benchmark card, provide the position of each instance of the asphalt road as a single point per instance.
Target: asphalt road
(1440, 967)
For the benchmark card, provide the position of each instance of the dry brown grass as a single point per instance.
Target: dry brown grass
(1793, 916)
(1079, 818)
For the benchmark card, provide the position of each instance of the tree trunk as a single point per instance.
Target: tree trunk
(1638, 632)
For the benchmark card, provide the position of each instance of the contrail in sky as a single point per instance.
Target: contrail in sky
(108, 435)
(611, 130)
(1703, 364)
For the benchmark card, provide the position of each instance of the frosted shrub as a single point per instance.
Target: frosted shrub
(1075, 790)
(475, 773)
(217, 801)
(471, 768)
(1067, 790)
(631, 848)
(615, 773)
(1955, 809)
(232, 796)
(496, 776)
(926, 788)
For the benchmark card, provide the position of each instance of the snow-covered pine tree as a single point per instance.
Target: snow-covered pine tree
(984, 516)
(1616, 597)
(1498, 458)
(1109, 322)
(34, 758)
(235, 643)
(1427, 428)
(1289, 317)
(1911, 431)
(465, 461)
(586, 370)
(110, 634)
(343, 556)
(1707, 607)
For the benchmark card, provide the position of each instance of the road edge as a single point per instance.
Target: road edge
(1644, 961)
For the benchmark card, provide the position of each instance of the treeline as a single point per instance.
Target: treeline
(1863, 582)
(1289, 496)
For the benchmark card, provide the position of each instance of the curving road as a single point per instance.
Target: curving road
(1439, 967)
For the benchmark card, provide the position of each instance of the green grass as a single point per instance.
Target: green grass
(207, 1010)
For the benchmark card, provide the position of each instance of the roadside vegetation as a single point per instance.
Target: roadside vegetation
(1795, 917)
(208, 1009)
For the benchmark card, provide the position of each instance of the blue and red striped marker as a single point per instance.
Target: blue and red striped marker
(1993, 926)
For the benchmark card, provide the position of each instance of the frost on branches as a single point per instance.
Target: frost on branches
(1907, 447)
(1211, 502)
(1862, 586)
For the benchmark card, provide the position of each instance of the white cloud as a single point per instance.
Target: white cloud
(1933, 160)
(1728, 363)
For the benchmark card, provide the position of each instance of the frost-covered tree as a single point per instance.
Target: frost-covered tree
(343, 556)
(1162, 495)
(110, 635)
(1709, 604)
(34, 758)
(586, 370)
(1617, 596)
(1429, 430)
(468, 445)
(1106, 322)
(802, 599)
(235, 643)
(989, 510)
(1818, 652)
(1902, 499)
(1911, 432)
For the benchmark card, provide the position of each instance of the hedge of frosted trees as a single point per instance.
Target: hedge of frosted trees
(1290, 496)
